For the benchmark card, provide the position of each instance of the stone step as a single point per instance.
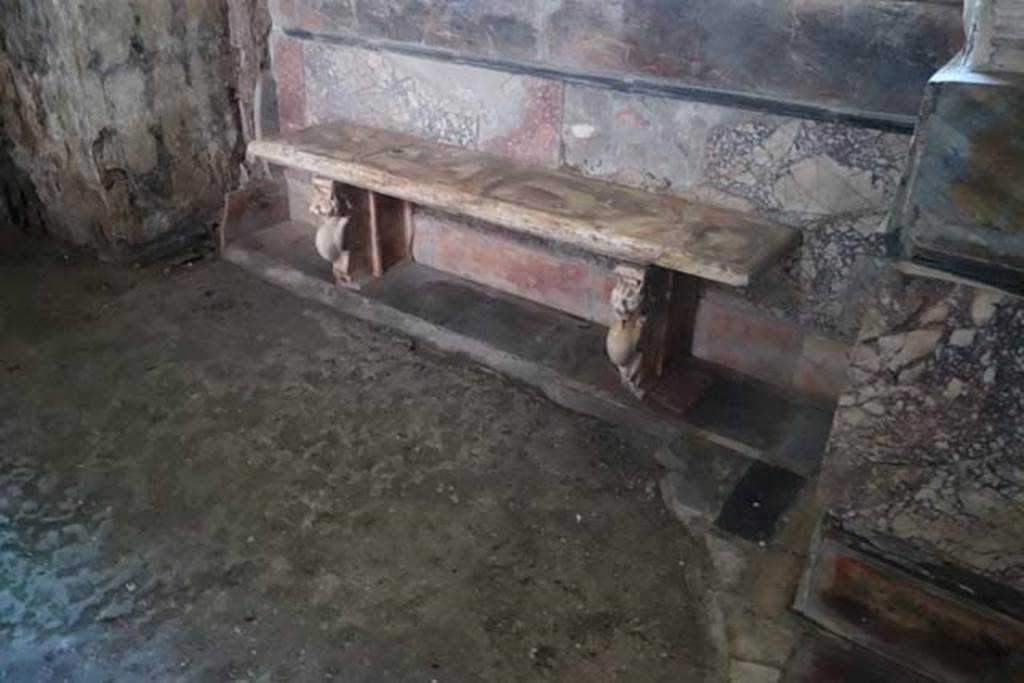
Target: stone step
(940, 621)
(823, 658)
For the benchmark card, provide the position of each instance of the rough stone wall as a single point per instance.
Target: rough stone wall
(122, 113)
(250, 23)
(20, 207)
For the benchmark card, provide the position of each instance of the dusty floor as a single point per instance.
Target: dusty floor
(203, 478)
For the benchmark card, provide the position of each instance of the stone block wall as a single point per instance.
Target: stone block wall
(122, 114)
(799, 112)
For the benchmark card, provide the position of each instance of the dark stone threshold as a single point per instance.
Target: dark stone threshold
(894, 123)
(761, 497)
(713, 486)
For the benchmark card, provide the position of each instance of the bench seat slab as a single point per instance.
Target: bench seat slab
(620, 222)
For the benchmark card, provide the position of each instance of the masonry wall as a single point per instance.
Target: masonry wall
(122, 115)
(798, 111)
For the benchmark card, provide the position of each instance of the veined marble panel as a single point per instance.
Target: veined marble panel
(964, 203)
(833, 181)
(515, 116)
(928, 441)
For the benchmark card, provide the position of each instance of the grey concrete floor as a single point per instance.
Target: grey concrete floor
(203, 478)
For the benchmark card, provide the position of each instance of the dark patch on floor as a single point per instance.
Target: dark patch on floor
(755, 507)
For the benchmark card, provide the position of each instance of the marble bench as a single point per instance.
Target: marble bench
(365, 182)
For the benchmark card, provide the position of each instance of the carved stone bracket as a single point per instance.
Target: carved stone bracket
(361, 233)
(627, 328)
(330, 235)
(653, 315)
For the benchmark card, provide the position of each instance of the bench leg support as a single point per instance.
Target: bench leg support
(361, 233)
(652, 325)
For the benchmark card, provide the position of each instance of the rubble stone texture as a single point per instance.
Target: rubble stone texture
(20, 208)
(928, 441)
(121, 113)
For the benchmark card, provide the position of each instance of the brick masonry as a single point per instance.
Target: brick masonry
(288, 59)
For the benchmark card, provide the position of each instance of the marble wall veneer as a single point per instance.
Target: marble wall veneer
(868, 55)
(515, 116)
(834, 181)
(963, 206)
(928, 441)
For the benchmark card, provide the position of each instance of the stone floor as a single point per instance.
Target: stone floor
(203, 478)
